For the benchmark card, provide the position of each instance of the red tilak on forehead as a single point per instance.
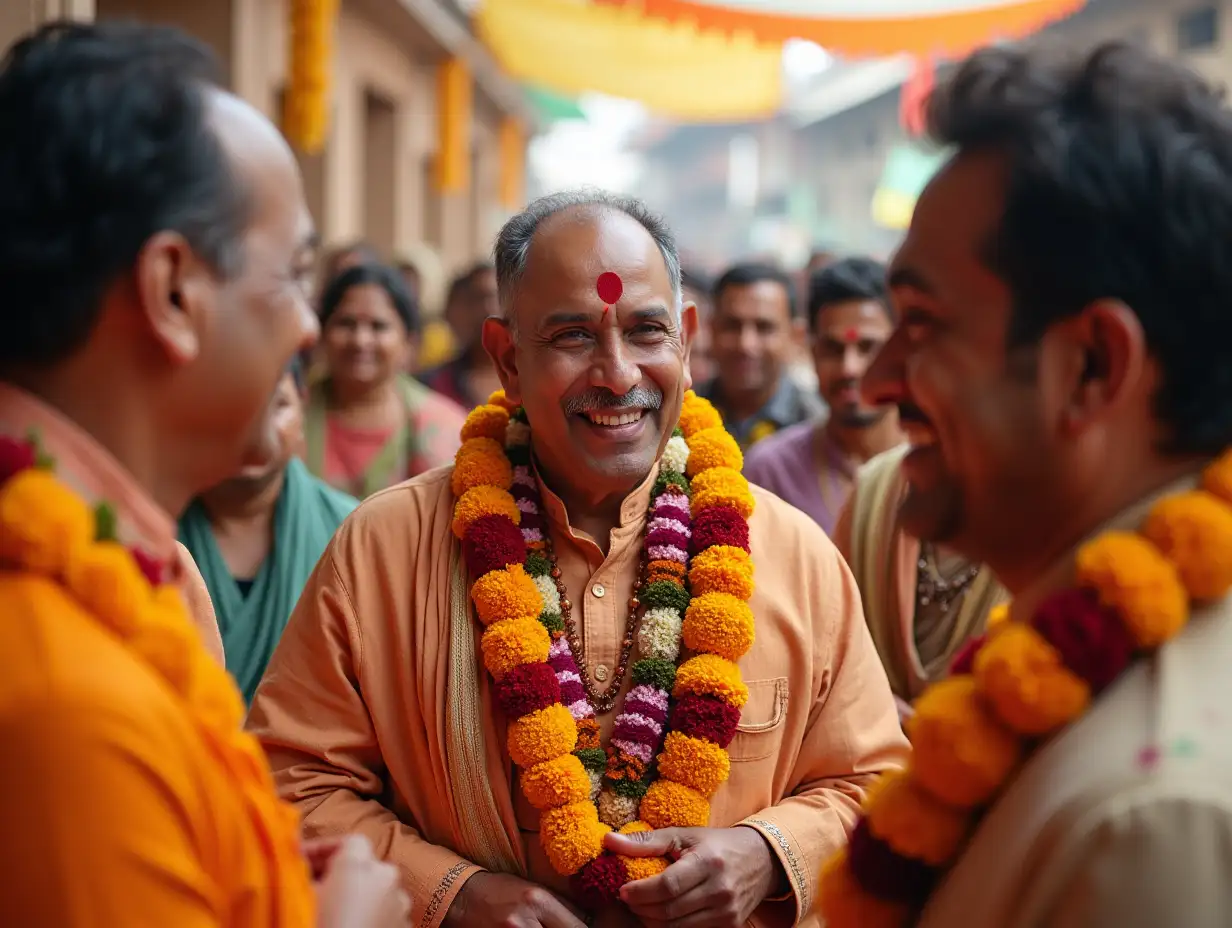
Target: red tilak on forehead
(851, 336)
(610, 287)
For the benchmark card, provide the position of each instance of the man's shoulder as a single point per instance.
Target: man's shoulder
(779, 528)
(409, 515)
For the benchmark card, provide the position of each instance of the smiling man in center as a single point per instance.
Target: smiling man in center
(498, 666)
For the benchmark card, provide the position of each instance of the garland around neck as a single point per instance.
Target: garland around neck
(1020, 683)
(51, 536)
(700, 504)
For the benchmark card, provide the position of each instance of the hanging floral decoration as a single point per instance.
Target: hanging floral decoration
(1019, 684)
(309, 92)
(667, 754)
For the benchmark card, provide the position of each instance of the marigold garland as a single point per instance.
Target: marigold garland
(1021, 682)
(696, 530)
(49, 535)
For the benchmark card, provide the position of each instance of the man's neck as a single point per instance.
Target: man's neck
(123, 423)
(596, 514)
(744, 404)
(239, 501)
(861, 443)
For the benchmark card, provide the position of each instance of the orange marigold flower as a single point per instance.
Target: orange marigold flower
(481, 462)
(168, 643)
(700, 765)
(1194, 531)
(506, 594)
(962, 754)
(42, 522)
(587, 734)
(665, 570)
(107, 581)
(713, 447)
(673, 805)
(214, 695)
(641, 868)
(1132, 577)
(512, 643)
(483, 501)
(912, 822)
(622, 766)
(543, 735)
(572, 836)
(998, 615)
(556, 782)
(1025, 681)
(722, 569)
(697, 414)
(1217, 477)
(843, 903)
(711, 675)
(718, 623)
(722, 486)
(486, 421)
(498, 398)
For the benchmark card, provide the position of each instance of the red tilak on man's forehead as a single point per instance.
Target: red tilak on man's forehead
(851, 335)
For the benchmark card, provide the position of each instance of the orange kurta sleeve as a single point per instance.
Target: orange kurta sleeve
(200, 607)
(312, 715)
(100, 821)
(852, 737)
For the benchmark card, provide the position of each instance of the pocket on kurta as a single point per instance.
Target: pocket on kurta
(760, 732)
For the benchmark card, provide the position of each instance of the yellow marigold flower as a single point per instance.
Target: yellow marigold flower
(1194, 531)
(722, 486)
(42, 522)
(1132, 577)
(641, 868)
(668, 804)
(483, 501)
(107, 581)
(913, 823)
(1025, 681)
(699, 765)
(962, 754)
(718, 623)
(998, 615)
(722, 569)
(697, 414)
(512, 643)
(481, 462)
(711, 675)
(498, 398)
(541, 736)
(713, 447)
(511, 593)
(843, 903)
(572, 836)
(556, 782)
(168, 643)
(486, 421)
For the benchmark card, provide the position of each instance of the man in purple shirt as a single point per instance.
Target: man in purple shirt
(812, 464)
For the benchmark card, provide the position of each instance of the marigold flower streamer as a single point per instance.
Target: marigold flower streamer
(668, 751)
(1022, 682)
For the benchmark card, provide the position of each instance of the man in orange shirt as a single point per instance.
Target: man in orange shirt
(475, 759)
(154, 244)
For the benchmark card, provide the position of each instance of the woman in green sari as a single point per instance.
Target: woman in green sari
(257, 537)
(369, 425)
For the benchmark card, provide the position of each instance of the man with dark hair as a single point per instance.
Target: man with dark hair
(754, 334)
(697, 288)
(478, 673)
(811, 464)
(1063, 370)
(154, 249)
(469, 378)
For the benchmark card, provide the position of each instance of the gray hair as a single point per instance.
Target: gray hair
(512, 247)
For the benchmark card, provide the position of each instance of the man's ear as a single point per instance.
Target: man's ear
(499, 343)
(1101, 360)
(175, 292)
(688, 332)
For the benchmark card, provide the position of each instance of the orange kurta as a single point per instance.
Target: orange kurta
(356, 707)
(114, 804)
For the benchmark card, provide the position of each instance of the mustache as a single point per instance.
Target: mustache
(602, 398)
(909, 412)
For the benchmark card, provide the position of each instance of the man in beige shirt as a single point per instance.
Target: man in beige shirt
(378, 715)
(1066, 340)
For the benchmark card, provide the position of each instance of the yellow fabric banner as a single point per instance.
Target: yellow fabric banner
(454, 102)
(574, 46)
(512, 143)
